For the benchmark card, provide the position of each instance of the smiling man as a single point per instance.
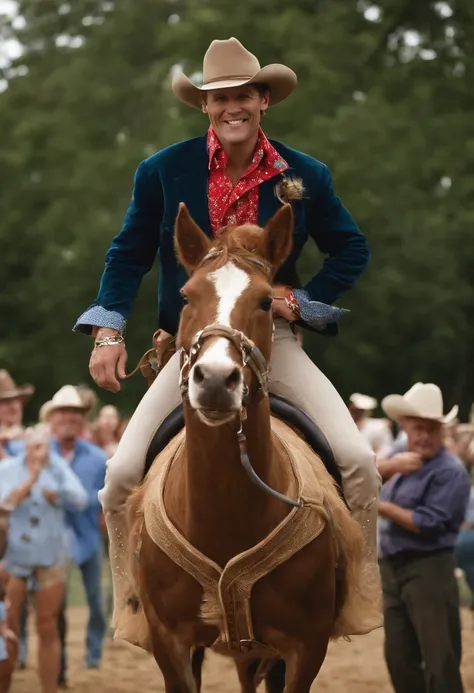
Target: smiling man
(230, 176)
(422, 513)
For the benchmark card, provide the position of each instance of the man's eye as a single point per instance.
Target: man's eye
(266, 304)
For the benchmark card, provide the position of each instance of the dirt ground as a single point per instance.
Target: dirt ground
(357, 667)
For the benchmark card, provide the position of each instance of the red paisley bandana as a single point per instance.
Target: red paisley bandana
(230, 206)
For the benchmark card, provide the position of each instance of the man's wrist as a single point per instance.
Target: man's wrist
(104, 332)
(293, 304)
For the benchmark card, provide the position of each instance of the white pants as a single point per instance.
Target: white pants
(293, 376)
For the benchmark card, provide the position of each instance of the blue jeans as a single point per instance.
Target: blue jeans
(465, 558)
(91, 572)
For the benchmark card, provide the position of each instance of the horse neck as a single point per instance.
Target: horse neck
(221, 512)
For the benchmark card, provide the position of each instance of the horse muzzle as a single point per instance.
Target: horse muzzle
(216, 391)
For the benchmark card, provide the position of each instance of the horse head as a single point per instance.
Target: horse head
(226, 325)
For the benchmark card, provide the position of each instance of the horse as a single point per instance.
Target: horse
(239, 538)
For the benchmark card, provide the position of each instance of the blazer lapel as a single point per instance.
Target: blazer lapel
(191, 187)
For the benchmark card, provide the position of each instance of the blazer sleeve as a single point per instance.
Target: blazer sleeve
(131, 254)
(337, 236)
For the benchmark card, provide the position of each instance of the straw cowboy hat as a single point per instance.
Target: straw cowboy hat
(9, 389)
(228, 64)
(423, 401)
(66, 398)
(363, 402)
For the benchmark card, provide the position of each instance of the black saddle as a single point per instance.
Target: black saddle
(281, 408)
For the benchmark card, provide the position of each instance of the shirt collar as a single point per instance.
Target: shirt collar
(218, 157)
(56, 448)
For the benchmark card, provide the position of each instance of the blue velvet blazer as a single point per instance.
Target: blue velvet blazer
(179, 173)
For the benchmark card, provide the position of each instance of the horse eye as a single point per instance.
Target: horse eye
(266, 304)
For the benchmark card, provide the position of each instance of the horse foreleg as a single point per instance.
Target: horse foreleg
(172, 656)
(275, 677)
(302, 667)
(247, 672)
(196, 665)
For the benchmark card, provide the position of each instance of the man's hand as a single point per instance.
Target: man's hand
(401, 516)
(281, 309)
(279, 306)
(406, 462)
(402, 463)
(107, 363)
(51, 496)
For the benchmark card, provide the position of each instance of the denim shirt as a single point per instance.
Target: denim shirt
(88, 464)
(37, 534)
(438, 495)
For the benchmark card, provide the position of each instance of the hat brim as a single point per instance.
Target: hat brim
(24, 392)
(364, 403)
(281, 81)
(397, 408)
(49, 407)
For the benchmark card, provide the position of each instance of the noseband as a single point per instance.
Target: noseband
(254, 359)
(251, 356)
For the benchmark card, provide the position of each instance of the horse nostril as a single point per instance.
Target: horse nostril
(198, 374)
(234, 379)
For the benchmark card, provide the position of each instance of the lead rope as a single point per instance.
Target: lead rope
(247, 465)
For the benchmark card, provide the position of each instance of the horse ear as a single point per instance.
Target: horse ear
(279, 236)
(191, 243)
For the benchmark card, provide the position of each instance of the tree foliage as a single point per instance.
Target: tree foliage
(387, 104)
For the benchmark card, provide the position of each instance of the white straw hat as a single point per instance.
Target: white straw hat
(363, 402)
(66, 398)
(423, 401)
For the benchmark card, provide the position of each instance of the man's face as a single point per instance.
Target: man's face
(425, 437)
(235, 113)
(11, 412)
(66, 423)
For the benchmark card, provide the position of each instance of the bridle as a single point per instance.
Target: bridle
(253, 358)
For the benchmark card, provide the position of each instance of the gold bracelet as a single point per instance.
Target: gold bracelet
(110, 341)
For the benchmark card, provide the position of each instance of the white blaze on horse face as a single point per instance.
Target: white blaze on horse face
(230, 282)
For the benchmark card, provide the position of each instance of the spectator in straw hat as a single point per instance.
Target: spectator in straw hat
(12, 399)
(376, 431)
(422, 512)
(66, 415)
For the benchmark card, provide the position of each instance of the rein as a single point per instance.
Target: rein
(254, 359)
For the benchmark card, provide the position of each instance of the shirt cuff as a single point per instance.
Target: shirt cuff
(316, 314)
(96, 316)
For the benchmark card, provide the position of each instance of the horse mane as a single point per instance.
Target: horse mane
(242, 244)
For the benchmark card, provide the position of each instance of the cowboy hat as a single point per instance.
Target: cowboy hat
(423, 401)
(66, 398)
(363, 402)
(228, 64)
(9, 389)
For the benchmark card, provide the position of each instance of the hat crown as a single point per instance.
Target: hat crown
(227, 60)
(7, 384)
(67, 396)
(427, 398)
